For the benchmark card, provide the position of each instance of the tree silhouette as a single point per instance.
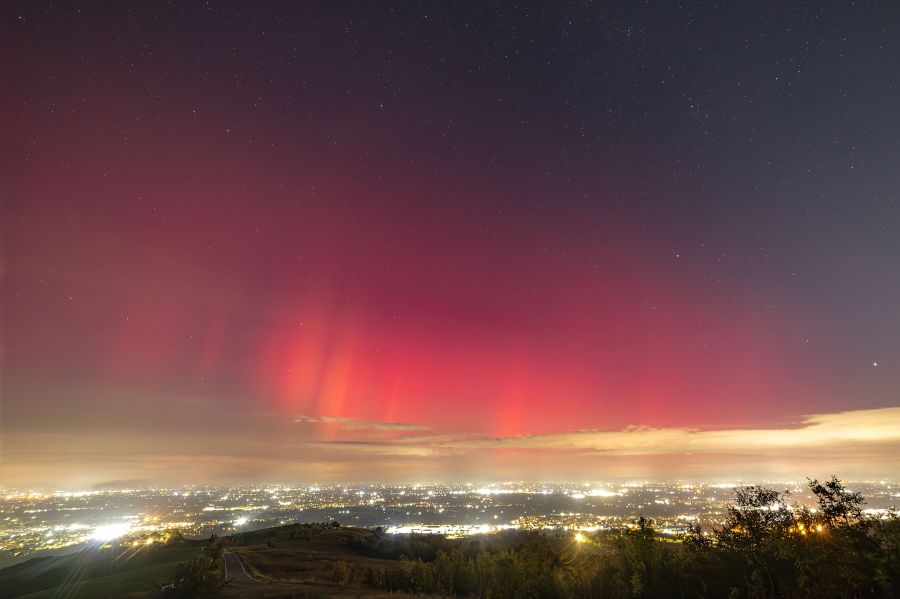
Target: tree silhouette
(838, 505)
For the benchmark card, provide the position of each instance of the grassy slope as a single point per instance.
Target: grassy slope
(272, 554)
(90, 574)
(296, 562)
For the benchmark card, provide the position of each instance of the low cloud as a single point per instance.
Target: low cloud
(836, 432)
(859, 443)
(815, 432)
(347, 423)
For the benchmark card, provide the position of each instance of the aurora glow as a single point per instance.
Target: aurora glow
(423, 243)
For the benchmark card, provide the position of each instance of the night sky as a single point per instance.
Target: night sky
(366, 241)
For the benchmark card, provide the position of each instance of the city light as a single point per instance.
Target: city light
(36, 522)
(109, 532)
(603, 493)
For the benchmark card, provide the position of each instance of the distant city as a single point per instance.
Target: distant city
(38, 523)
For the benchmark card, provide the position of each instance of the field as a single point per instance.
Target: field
(288, 561)
(305, 554)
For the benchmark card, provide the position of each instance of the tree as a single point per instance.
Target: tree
(196, 577)
(839, 507)
(756, 530)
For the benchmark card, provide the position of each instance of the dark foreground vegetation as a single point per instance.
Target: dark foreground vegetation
(765, 549)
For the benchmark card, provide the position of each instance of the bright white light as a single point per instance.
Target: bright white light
(108, 532)
(603, 493)
(240, 521)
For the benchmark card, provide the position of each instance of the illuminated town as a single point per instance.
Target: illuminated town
(34, 523)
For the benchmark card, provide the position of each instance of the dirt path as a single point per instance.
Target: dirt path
(236, 573)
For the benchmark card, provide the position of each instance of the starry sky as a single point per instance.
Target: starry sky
(418, 241)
